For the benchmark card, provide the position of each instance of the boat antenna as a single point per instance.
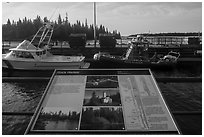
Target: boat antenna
(94, 24)
(52, 14)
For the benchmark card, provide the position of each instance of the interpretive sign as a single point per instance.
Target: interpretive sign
(102, 101)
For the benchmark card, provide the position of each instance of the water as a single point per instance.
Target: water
(24, 97)
(21, 96)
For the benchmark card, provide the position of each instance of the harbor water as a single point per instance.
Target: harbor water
(182, 97)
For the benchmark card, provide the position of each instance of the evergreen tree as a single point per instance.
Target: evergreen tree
(66, 19)
(8, 22)
(59, 20)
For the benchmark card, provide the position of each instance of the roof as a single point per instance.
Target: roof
(26, 46)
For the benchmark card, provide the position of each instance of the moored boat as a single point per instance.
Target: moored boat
(137, 56)
(30, 55)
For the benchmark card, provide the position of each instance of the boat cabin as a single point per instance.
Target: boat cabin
(22, 54)
(27, 51)
(136, 50)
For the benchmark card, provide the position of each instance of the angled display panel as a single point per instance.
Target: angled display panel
(102, 101)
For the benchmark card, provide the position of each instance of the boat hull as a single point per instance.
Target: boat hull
(106, 62)
(39, 65)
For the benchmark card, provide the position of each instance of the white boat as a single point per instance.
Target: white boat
(31, 56)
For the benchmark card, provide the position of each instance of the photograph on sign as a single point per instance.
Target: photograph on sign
(102, 118)
(102, 82)
(102, 97)
(56, 119)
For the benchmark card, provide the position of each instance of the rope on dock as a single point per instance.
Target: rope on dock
(158, 79)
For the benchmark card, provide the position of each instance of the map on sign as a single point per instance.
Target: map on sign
(111, 100)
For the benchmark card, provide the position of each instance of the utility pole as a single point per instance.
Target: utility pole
(95, 25)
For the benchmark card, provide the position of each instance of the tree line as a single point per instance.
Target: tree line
(26, 28)
(171, 34)
(73, 115)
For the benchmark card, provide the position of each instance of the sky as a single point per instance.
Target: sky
(126, 17)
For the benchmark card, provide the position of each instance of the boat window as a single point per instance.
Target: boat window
(28, 55)
(19, 54)
(14, 53)
(22, 54)
(39, 53)
(44, 52)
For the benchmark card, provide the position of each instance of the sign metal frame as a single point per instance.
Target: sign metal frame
(99, 72)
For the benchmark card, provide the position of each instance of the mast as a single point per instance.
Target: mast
(95, 24)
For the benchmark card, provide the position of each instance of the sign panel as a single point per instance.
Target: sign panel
(102, 101)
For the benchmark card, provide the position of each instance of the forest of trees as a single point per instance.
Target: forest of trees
(102, 118)
(26, 28)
